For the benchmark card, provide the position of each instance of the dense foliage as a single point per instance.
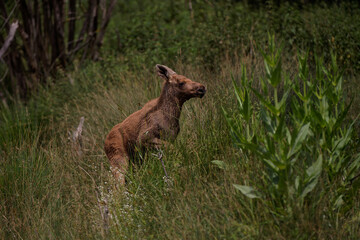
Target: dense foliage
(169, 30)
(300, 136)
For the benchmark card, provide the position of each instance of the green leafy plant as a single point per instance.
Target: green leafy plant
(301, 135)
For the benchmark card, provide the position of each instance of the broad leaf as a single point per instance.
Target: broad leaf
(265, 102)
(276, 75)
(283, 100)
(219, 163)
(248, 191)
(313, 173)
(267, 121)
(315, 169)
(246, 106)
(301, 136)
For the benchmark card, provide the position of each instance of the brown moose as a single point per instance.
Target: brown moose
(154, 124)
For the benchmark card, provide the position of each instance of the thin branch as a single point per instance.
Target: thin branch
(92, 28)
(9, 38)
(105, 21)
(191, 10)
(84, 28)
(72, 18)
(5, 73)
(7, 17)
(59, 32)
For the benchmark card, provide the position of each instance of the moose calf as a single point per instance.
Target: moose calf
(152, 125)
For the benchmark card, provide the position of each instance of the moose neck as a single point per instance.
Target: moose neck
(169, 101)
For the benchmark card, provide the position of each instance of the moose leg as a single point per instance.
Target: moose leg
(119, 165)
(119, 161)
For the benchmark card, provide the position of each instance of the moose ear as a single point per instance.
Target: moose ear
(164, 71)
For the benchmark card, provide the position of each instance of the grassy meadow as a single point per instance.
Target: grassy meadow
(270, 152)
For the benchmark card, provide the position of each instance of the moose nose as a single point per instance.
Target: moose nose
(201, 90)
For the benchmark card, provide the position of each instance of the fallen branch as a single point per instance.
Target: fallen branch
(77, 133)
(76, 137)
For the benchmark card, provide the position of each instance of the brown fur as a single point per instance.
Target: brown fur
(155, 123)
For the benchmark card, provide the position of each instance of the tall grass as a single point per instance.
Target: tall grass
(49, 191)
(292, 138)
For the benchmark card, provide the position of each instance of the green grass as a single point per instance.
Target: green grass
(49, 191)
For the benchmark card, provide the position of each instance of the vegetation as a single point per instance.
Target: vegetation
(299, 143)
(271, 151)
(50, 35)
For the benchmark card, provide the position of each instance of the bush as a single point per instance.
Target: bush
(302, 136)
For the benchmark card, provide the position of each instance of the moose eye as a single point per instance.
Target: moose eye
(181, 84)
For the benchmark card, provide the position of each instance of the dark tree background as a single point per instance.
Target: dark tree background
(39, 36)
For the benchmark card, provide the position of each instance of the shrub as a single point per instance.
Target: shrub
(301, 136)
